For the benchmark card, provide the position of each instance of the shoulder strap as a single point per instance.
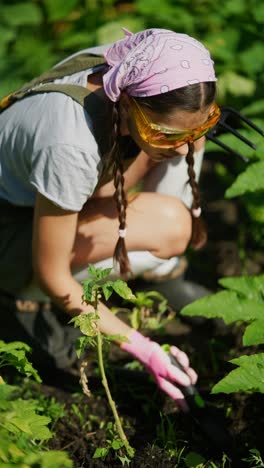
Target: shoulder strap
(71, 66)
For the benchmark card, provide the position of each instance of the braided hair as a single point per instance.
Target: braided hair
(115, 158)
(189, 98)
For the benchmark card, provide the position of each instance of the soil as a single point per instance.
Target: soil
(161, 435)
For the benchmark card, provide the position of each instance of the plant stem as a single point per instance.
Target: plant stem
(112, 404)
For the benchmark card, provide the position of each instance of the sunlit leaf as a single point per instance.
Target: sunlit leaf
(107, 289)
(101, 452)
(226, 305)
(249, 377)
(250, 180)
(254, 333)
(252, 287)
(123, 290)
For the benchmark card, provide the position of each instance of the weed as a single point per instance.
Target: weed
(144, 304)
(255, 460)
(93, 289)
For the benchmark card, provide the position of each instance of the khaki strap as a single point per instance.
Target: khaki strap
(74, 65)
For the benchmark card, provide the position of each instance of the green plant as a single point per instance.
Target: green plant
(243, 302)
(14, 354)
(150, 311)
(169, 438)
(23, 431)
(112, 443)
(255, 460)
(93, 289)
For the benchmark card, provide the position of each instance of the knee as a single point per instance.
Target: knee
(176, 228)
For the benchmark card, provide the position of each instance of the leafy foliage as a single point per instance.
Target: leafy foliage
(14, 354)
(150, 311)
(231, 30)
(242, 301)
(23, 431)
(248, 377)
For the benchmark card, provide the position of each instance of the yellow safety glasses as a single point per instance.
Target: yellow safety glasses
(163, 137)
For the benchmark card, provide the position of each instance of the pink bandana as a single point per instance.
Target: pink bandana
(155, 61)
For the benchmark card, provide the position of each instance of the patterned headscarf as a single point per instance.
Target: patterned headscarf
(155, 61)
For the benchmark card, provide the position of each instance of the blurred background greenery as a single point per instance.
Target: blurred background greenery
(35, 34)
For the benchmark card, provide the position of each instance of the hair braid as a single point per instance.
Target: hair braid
(199, 234)
(120, 252)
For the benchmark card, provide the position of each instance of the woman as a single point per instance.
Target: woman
(155, 93)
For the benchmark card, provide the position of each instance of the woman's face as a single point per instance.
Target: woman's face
(177, 119)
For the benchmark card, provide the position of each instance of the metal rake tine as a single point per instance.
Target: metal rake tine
(227, 148)
(237, 134)
(245, 119)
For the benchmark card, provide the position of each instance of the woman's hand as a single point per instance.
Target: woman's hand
(158, 363)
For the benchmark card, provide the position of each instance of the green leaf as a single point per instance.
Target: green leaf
(254, 205)
(254, 333)
(252, 287)
(81, 343)
(14, 354)
(250, 180)
(101, 452)
(193, 459)
(135, 318)
(122, 289)
(107, 289)
(26, 13)
(92, 270)
(86, 323)
(21, 417)
(59, 9)
(226, 305)
(52, 458)
(116, 338)
(88, 287)
(249, 377)
(6, 393)
(117, 444)
(98, 273)
(101, 274)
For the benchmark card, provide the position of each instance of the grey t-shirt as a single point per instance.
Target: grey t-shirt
(47, 145)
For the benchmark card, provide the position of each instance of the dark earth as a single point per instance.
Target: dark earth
(160, 434)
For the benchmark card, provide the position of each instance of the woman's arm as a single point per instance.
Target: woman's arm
(135, 172)
(53, 239)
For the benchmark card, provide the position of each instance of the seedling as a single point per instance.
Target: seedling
(141, 316)
(94, 288)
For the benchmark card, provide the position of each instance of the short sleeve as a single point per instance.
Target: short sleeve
(65, 174)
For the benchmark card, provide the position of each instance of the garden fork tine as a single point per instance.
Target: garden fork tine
(225, 113)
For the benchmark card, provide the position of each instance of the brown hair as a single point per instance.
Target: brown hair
(191, 99)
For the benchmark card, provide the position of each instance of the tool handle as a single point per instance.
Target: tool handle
(190, 390)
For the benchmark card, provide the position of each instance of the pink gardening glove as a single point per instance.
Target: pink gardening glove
(158, 363)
